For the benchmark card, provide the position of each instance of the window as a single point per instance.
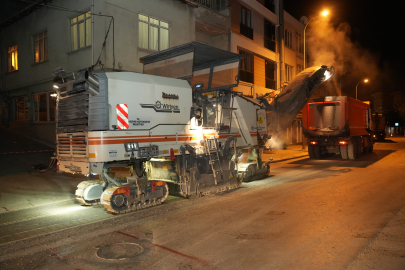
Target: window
(80, 31)
(299, 68)
(288, 38)
(269, 35)
(300, 43)
(270, 72)
(41, 47)
(21, 108)
(246, 23)
(44, 107)
(288, 73)
(246, 68)
(12, 58)
(153, 34)
(269, 4)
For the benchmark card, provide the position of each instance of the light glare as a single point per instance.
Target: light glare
(325, 13)
(328, 74)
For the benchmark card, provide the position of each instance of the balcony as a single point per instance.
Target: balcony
(220, 6)
(270, 44)
(246, 76)
(246, 31)
(269, 4)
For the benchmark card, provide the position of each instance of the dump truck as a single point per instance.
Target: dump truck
(337, 125)
(378, 126)
(178, 128)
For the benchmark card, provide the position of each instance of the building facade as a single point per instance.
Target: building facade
(272, 42)
(112, 36)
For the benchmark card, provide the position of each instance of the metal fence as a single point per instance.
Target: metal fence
(217, 5)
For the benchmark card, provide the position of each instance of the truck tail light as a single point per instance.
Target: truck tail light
(314, 143)
(172, 158)
(342, 142)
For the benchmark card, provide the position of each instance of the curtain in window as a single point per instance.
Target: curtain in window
(164, 39)
(73, 31)
(143, 35)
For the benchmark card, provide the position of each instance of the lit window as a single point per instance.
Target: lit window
(44, 107)
(153, 33)
(12, 58)
(80, 31)
(300, 43)
(288, 38)
(41, 47)
(288, 73)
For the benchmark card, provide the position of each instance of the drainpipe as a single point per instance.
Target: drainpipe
(281, 40)
(92, 33)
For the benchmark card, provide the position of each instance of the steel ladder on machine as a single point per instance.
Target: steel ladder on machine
(208, 144)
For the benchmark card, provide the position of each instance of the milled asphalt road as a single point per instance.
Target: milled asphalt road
(310, 214)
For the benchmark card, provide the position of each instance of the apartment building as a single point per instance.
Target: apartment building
(103, 35)
(272, 42)
(112, 35)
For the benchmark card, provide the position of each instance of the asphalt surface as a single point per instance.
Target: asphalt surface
(309, 214)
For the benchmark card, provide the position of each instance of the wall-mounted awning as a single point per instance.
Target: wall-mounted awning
(202, 64)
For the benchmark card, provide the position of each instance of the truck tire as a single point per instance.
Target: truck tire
(366, 145)
(352, 149)
(359, 146)
(317, 152)
(311, 151)
(343, 151)
(371, 147)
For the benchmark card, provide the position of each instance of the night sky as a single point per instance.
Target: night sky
(376, 26)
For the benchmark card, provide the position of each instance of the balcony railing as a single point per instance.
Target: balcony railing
(269, 4)
(246, 31)
(246, 76)
(217, 5)
(270, 44)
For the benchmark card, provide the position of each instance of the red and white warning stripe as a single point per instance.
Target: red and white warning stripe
(23, 152)
(122, 116)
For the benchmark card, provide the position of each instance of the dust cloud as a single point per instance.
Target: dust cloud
(331, 45)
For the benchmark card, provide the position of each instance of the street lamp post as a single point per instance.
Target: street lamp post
(365, 80)
(324, 13)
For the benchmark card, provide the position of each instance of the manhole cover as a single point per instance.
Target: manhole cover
(119, 251)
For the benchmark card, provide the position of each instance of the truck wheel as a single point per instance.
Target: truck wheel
(343, 151)
(366, 145)
(352, 149)
(317, 152)
(359, 146)
(311, 151)
(371, 147)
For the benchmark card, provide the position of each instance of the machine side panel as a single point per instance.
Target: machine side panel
(98, 106)
(151, 100)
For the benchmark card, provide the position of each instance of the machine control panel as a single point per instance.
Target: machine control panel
(148, 151)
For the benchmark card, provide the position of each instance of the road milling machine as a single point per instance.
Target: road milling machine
(178, 128)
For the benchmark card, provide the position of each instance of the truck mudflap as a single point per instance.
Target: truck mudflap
(139, 194)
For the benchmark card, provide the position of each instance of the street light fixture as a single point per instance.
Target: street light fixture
(365, 80)
(324, 14)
